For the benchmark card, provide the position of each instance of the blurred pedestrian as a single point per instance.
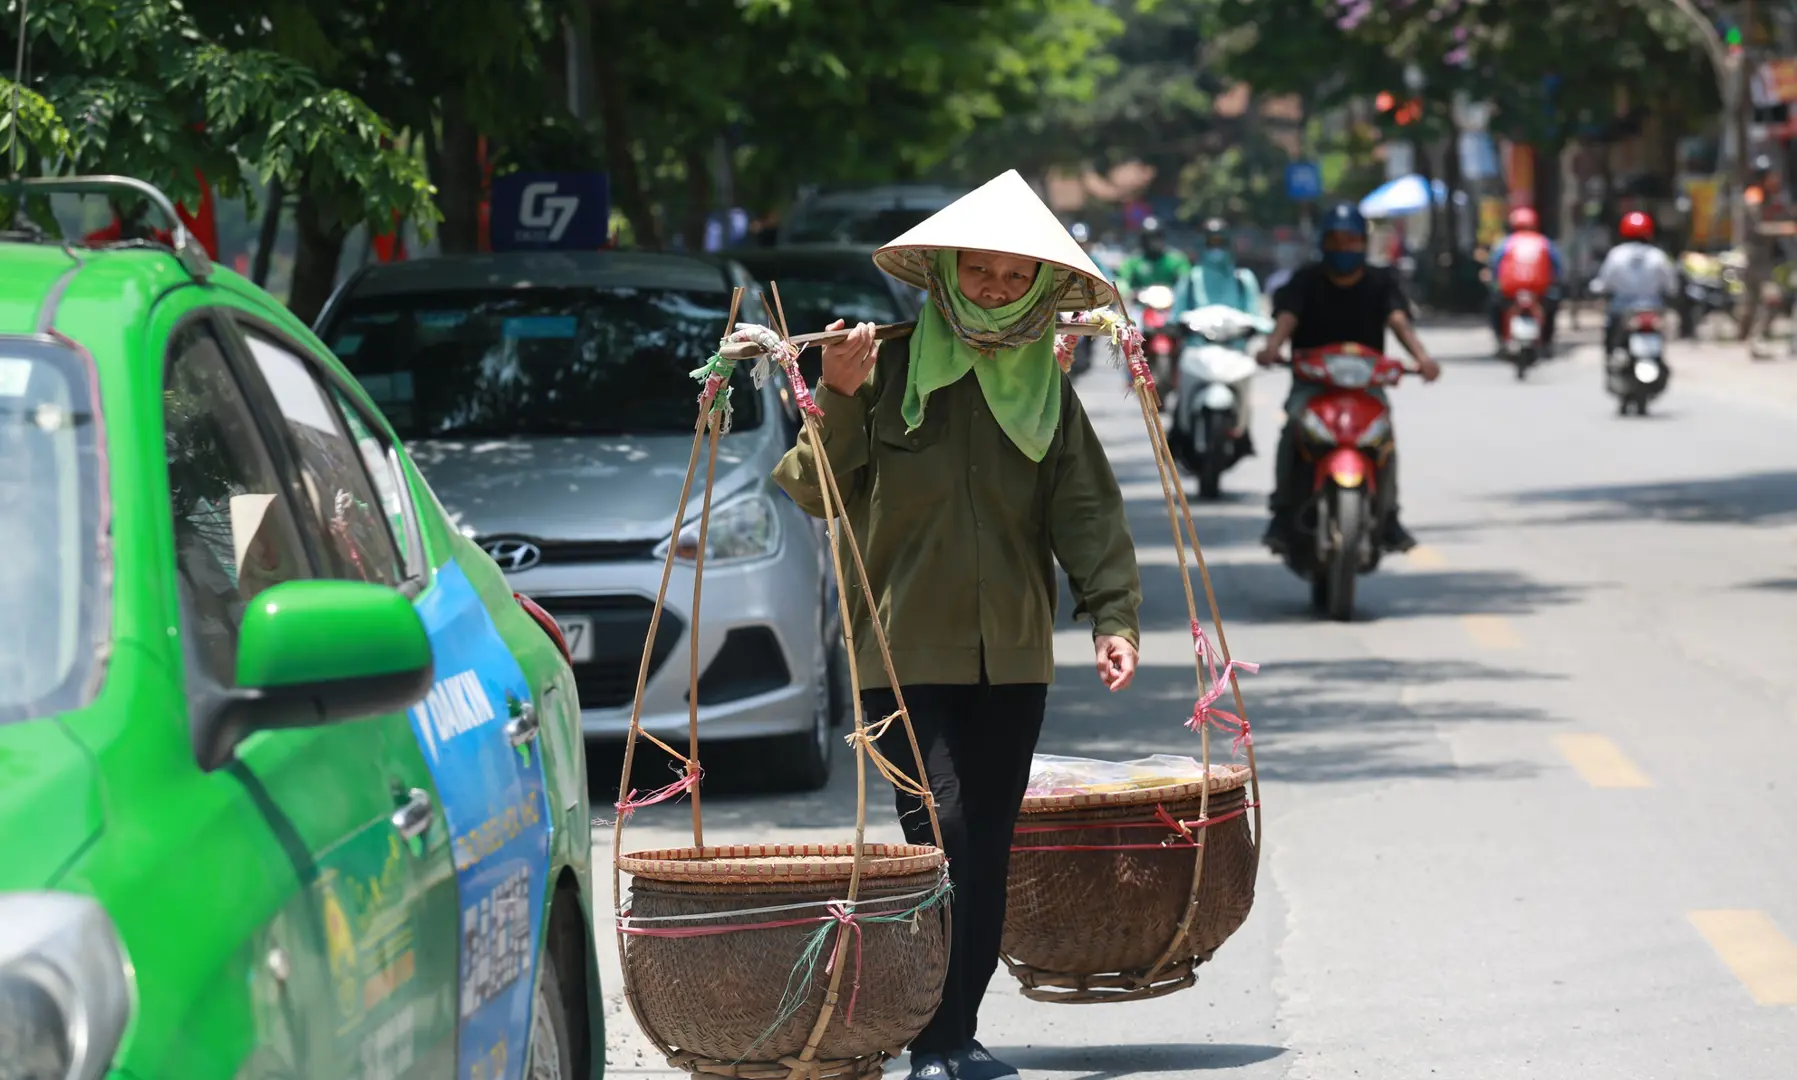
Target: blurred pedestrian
(968, 469)
(1156, 264)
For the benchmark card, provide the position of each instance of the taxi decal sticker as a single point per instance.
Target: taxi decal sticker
(493, 799)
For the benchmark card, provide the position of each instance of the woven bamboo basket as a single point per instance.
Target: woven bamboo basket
(723, 1003)
(1104, 925)
(774, 961)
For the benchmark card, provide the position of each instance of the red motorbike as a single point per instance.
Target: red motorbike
(1522, 331)
(1344, 436)
(1162, 336)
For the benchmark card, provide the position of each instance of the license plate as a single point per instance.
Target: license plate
(578, 631)
(1524, 329)
(1646, 345)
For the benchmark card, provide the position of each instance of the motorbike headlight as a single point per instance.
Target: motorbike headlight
(1376, 431)
(1316, 428)
(65, 988)
(741, 529)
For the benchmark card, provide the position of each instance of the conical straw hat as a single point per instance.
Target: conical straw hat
(1005, 216)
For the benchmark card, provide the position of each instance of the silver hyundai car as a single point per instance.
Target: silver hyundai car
(548, 400)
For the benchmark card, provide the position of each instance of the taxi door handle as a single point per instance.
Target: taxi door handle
(412, 819)
(523, 727)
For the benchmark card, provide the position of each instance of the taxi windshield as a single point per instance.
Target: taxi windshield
(50, 530)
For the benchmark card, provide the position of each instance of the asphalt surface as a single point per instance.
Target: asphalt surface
(1529, 816)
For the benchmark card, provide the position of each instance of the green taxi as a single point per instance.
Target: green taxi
(291, 784)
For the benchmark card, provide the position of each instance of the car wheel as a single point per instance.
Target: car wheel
(801, 761)
(551, 1049)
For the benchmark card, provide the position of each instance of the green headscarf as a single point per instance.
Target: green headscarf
(1010, 350)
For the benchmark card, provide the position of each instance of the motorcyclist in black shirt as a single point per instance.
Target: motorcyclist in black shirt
(1338, 299)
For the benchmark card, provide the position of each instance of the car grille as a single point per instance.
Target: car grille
(585, 551)
(620, 626)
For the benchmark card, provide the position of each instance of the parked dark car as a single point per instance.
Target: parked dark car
(820, 283)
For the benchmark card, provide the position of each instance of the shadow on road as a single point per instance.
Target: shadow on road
(1270, 594)
(1315, 722)
(1748, 499)
(1324, 721)
(1109, 1062)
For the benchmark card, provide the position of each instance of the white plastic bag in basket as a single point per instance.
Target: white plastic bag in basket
(1054, 775)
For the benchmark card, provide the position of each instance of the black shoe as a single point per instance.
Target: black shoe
(1247, 441)
(929, 1067)
(974, 1062)
(1395, 537)
(1278, 536)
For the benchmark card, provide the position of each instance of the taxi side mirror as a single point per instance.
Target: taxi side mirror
(316, 652)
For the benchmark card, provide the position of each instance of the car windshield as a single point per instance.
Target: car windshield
(538, 361)
(813, 293)
(856, 226)
(51, 530)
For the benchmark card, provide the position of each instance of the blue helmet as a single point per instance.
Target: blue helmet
(1342, 217)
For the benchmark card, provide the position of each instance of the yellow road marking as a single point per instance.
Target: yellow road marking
(1750, 943)
(1427, 558)
(1491, 631)
(1601, 762)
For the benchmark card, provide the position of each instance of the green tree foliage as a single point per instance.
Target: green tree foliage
(806, 89)
(137, 87)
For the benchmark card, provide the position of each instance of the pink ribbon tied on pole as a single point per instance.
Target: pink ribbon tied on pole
(845, 918)
(1205, 711)
(686, 783)
(779, 352)
(1135, 354)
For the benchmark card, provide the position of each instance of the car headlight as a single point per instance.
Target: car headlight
(1376, 431)
(1316, 428)
(741, 529)
(65, 988)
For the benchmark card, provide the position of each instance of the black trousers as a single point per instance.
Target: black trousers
(977, 742)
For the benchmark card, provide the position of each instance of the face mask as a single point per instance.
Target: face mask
(1344, 262)
(1219, 260)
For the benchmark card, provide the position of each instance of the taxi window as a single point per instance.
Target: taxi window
(234, 529)
(346, 513)
(389, 478)
(50, 580)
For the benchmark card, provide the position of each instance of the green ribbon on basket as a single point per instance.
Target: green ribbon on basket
(842, 919)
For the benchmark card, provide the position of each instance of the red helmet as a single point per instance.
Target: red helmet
(1636, 226)
(1523, 219)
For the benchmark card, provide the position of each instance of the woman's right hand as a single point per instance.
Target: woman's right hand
(847, 363)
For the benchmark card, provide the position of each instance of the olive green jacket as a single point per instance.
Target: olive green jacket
(960, 530)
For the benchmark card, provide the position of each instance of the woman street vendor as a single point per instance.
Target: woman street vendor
(968, 469)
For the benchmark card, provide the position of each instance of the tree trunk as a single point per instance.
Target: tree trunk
(1451, 179)
(455, 169)
(620, 148)
(315, 264)
(270, 232)
(698, 198)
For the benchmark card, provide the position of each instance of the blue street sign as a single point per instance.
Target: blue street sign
(1303, 181)
(560, 211)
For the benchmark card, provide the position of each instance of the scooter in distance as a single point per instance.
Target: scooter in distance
(1344, 436)
(1160, 337)
(1635, 359)
(1210, 420)
(1522, 332)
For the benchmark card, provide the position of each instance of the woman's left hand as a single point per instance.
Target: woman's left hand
(1116, 661)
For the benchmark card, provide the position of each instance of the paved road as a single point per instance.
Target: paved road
(1532, 815)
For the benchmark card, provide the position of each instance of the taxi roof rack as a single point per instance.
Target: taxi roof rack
(187, 249)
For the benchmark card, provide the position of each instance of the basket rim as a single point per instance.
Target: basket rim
(1237, 778)
(739, 863)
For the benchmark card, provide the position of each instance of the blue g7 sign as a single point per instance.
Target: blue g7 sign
(1303, 181)
(550, 212)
